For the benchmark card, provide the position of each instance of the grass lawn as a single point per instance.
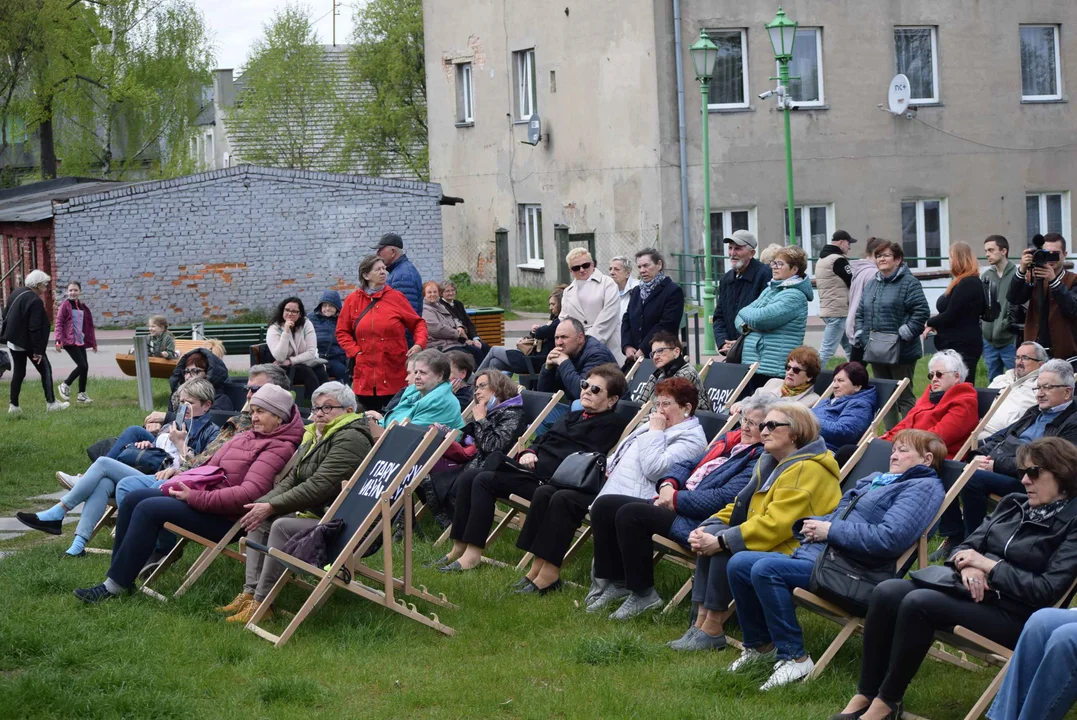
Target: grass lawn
(512, 656)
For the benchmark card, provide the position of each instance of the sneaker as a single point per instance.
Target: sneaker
(83, 399)
(237, 604)
(688, 636)
(699, 641)
(57, 406)
(68, 481)
(94, 595)
(751, 656)
(637, 604)
(788, 671)
(598, 586)
(611, 594)
(64, 391)
(943, 551)
(14, 410)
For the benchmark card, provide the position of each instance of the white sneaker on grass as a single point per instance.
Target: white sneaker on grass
(64, 391)
(83, 399)
(52, 406)
(14, 410)
(751, 656)
(67, 480)
(788, 671)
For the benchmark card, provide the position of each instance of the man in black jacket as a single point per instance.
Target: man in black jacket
(739, 287)
(657, 303)
(573, 356)
(1051, 293)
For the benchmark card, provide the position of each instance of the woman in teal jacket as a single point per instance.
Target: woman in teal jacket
(776, 321)
(429, 400)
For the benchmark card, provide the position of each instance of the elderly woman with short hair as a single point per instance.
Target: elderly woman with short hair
(593, 299)
(948, 407)
(333, 447)
(448, 299)
(656, 305)
(802, 366)
(795, 478)
(621, 273)
(669, 362)
(429, 400)
(26, 332)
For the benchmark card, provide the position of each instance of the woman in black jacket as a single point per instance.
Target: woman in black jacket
(201, 362)
(657, 303)
(957, 325)
(1022, 558)
(596, 428)
(26, 332)
(514, 361)
(474, 343)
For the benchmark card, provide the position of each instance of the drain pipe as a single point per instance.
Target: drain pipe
(681, 130)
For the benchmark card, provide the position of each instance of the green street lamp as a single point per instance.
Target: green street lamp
(704, 56)
(782, 33)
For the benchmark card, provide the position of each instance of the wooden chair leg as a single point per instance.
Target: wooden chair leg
(989, 694)
(584, 537)
(528, 557)
(443, 537)
(677, 599)
(501, 526)
(847, 631)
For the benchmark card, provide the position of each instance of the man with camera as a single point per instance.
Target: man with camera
(1044, 283)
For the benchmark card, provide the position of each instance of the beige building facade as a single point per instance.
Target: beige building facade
(989, 145)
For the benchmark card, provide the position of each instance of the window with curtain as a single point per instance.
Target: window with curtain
(915, 51)
(729, 84)
(465, 111)
(1047, 212)
(525, 83)
(807, 67)
(925, 233)
(1040, 66)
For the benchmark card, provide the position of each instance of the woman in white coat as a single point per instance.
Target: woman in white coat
(293, 343)
(594, 300)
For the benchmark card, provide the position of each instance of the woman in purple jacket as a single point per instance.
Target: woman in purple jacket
(74, 334)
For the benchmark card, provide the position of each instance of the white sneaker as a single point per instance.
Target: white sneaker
(83, 399)
(788, 671)
(57, 406)
(68, 481)
(64, 391)
(751, 656)
(14, 410)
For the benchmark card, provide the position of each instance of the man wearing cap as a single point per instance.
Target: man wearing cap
(403, 276)
(833, 276)
(739, 287)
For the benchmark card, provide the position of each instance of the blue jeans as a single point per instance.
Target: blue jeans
(1041, 683)
(132, 434)
(833, 334)
(974, 495)
(135, 482)
(762, 585)
(94, 489)
(999, 360)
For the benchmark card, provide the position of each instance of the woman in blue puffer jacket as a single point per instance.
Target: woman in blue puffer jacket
(325, 327)
(775, 323)
(846, 415)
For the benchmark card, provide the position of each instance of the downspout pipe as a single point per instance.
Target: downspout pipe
(682, 132)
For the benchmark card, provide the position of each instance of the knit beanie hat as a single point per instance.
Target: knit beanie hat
(275, 399)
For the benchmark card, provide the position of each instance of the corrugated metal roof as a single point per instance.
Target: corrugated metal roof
(33, 202)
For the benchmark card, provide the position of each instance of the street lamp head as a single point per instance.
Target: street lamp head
(704, 56)
(782, 32)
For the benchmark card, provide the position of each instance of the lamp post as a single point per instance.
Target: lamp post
(704, 55)
(782, 33)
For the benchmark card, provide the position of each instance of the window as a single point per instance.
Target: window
(925, 235)
(726, 222)
(524, 76)
(210, 156)
(531, 235)
(1047, 212)
(818, 219)
(917, 59)
(807, 67)
(465, 109)
(729, 84)
(1041, 68)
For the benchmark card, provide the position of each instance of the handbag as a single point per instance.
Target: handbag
(149, 460)
(942, 578)
(203, 477)
(883, 348)
(581, 471)
(736, 351)
(845, 579)
(529, 345)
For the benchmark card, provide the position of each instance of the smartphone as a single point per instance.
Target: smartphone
(181, 416)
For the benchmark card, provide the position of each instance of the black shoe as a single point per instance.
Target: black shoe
(94, 595)
(436, 563)
(30, 520)
(533, 589)
(526, 588)
(522, 582)
(454, 566)
(849, 716)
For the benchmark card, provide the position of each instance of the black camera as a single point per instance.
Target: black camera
(1041, 257)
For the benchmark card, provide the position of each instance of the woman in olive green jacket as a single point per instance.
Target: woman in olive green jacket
(333, 446)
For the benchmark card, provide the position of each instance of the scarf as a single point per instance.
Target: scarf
(671, 368)
(884, 479)
(798, 390)
(935, 396)
(707, 468)
(1046, 512)
(646, 288)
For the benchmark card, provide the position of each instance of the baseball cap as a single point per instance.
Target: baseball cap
(390, 240)
(840, 235)
(742, 238)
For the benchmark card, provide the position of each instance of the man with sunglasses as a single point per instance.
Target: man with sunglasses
(573, 356)
(745, 281)
(593, 299)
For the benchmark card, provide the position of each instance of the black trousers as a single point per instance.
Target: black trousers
(375, 403)
(622, 527)
(18, 374)
(82, 366)
(901, 624)
(552, 521)
(310, 377)
(477, 491)
(844, 453)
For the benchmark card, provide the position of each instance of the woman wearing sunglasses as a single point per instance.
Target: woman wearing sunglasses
(948, 406)
(594, 300)
(795, 478)
(802, 366)
(1022, 558)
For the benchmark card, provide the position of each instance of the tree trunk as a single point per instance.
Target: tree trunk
(48, 147)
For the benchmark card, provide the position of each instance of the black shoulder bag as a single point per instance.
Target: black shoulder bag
(581, 471)
(368, 308)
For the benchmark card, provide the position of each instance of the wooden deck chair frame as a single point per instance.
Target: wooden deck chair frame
(329, 580)
(850, 623)
(705, 369)
(211, 549)
(469, 412)
(970, 443)
(881, 414)
(632, 370)
(666, 549)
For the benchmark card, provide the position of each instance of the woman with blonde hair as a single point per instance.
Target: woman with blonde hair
(957, 324)
(594, 300)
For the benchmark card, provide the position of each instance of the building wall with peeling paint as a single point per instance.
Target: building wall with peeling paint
(207, 247)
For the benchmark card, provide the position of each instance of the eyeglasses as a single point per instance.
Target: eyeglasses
(482, 386)
(885, 256)
(1026, 358)
(595, 389)
(938, 374)
(1045, 388)
(193, 371)
(771, 426)
(315, 409)
(1033, 471)
(661, 350)
(585, 266)
(794, 369)
(289, 311)
(747, 424)
(778, 264)
(663, 404)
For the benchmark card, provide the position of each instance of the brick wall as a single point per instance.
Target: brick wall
(206, 247)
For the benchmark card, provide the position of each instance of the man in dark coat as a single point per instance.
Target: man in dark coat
(403, 276)
(739, 287)
(573, 356)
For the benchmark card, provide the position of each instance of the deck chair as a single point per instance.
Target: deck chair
(469, 411)
(824, 387)
(887, 391)
(210, 549)
(635, 414)
(666, 549)
(632, 370)
(364, 502)
(871, 456)
(988, 401)
(726, 381)
(713, 424)
(641, 373)
(954, 475)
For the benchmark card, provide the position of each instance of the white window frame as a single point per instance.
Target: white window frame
(1058, 64)
(526, 80)
(726, 214)
(743, 74)
(465, 103)
(209, 159)
(821, 102)
(934, 61)
(1042, 196)
(530, 225)
(921, 240)
(805, 226)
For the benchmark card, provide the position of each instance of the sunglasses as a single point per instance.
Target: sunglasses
(315, 409)
(938, 374)
(794, 369)
(585, 266)
(771, 426)
(595, 389)
(252, 388)
(1033, 472)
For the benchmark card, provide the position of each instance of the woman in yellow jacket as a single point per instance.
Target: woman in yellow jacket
(796, 477)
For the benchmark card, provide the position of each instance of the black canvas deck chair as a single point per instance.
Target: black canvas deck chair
(640, 373)
(988, 401)
(724, 382)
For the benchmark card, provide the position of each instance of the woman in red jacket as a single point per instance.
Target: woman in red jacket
(372, 330)
(248, 463)
(75, 334)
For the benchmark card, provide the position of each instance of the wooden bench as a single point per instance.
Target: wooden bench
(159, 367)
(237, 338)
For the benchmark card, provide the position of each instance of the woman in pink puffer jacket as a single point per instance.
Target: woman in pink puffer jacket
(250, 461)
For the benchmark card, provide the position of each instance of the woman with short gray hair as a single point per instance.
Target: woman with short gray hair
(621, 273)
(338, 392)
(26, 332)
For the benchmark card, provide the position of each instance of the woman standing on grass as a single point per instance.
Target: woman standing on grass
(26, 332)
(75, 333)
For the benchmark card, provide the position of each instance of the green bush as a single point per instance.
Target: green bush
(524, 299)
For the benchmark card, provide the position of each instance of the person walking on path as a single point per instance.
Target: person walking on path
(833, 278)
(74, 334)
(26, 332)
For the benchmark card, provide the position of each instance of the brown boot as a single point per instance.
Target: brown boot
(244, 616)
(236, 605)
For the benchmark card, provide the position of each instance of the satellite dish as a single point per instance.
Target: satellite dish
(898, 97)
(534, 129)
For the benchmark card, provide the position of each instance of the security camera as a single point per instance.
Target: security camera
(765, 94)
